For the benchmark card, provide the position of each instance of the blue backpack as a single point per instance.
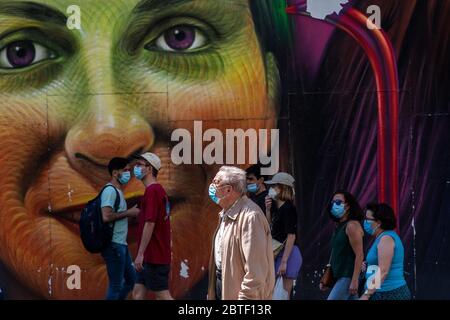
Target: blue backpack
(95, 234)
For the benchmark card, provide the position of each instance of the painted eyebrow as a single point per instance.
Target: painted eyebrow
(155, 5)
(33, 11)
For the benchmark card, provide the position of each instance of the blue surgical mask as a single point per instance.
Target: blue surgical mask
(252, 188)
(272, 193)
(125, 177)
(368, 227)
(338, 210)
(212, 193)
(138, 173)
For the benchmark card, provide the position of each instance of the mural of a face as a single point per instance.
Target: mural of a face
(73, 99)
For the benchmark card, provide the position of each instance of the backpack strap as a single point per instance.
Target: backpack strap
(117, 201)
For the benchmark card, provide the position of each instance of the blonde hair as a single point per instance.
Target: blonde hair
(286, 193)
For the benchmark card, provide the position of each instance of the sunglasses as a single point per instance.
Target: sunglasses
(337, 202)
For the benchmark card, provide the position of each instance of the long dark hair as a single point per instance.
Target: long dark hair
(355, 212)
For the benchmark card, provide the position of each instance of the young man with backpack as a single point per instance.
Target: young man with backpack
(154, 254)
(121, 273)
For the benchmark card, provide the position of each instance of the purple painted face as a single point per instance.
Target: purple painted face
(21, 53)
(180, 37)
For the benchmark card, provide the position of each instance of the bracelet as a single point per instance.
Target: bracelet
(367, 293)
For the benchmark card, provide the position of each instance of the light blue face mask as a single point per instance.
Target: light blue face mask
(212, 193)
(125, 177)
(338, 210)
(252, 188)
(368, 227)
(272, 193)
(138, 173)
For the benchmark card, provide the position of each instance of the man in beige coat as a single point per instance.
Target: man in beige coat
(241, 265)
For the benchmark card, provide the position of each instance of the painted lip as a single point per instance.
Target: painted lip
(70, 215)
(73, 213)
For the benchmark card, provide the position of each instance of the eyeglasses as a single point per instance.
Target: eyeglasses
(337, 202)
(219, 186)
(140, 164)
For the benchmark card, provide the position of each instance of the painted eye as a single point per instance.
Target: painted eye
(181, 39)
(21, 54)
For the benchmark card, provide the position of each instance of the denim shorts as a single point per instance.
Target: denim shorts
(154, 277)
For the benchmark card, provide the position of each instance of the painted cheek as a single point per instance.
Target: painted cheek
(23, 136)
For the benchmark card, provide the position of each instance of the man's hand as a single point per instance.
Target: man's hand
(133, 212)
(138, 263)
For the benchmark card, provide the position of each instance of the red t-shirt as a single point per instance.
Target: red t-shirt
(155, 207)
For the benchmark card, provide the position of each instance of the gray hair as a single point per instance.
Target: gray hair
(233, 176)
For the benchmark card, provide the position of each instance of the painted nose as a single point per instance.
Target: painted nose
(107, 130)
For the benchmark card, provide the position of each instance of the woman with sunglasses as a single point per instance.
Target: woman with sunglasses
(346, 246)
(385, 278)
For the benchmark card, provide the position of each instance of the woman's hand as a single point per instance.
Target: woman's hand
(322, 287)
(282, 268)
(268, 203)
(353, 289)
(364, 266)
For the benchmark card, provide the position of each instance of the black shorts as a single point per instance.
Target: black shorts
(154, 277)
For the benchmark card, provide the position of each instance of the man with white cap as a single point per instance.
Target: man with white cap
(154, 253)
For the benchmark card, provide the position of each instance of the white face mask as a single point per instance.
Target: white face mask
(272, 193)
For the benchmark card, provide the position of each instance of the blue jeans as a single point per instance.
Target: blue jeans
(121, 272)
(340, 290)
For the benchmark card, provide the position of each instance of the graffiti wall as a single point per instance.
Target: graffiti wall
(356, 104)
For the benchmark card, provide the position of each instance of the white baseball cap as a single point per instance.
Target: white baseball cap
(153, 159)
(282, 178)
